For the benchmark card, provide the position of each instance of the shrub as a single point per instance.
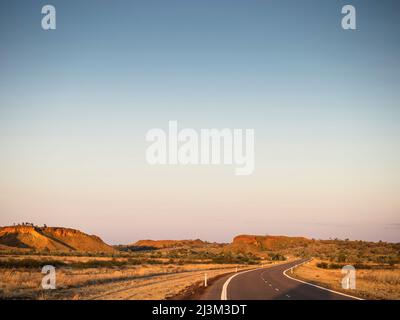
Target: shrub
(276, 257)
(322, 265)
(29, 263)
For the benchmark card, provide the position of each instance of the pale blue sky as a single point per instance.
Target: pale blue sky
(76, 102)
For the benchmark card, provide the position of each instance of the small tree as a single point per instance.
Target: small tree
(342, 257)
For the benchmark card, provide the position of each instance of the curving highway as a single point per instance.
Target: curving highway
(271, 283)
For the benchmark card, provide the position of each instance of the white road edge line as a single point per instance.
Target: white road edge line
(314, 285)
(224, 293)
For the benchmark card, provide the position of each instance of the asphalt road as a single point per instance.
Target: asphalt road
(267, 284)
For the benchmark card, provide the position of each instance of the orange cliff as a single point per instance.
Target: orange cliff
(50, 239)
(268, 242)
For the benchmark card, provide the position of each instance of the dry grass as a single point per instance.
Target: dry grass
(159, 287)
(66, 259)
(136, 282)
(370, 283)
(158, 281)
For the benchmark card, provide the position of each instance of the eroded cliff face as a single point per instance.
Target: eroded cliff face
(258, 242)
(51, 239)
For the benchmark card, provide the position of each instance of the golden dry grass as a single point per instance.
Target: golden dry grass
(370, 283)
(66, 259)
(136, 282)
(146, 281)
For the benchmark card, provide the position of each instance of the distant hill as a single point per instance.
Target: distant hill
(242, 247)
(161, 244)
(50, 239)
(245, 243)
(259, 243)
(334, 250)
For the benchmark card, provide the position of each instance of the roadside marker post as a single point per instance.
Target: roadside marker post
(205, 280)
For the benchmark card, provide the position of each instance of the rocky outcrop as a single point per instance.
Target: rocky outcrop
(51, 239)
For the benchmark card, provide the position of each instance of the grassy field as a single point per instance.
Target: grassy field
(138, 282)
(80, 277)
(143, 275)
(373, 281)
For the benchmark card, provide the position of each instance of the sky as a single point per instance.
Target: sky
(76, 103)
